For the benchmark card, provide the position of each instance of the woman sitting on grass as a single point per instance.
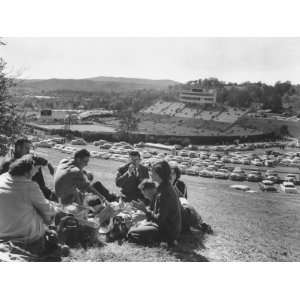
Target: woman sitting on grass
(164, 212)
(178, 185)
(190, 217)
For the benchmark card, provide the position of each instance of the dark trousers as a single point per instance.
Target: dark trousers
(144, 233)
(48, 194)
(104, 191)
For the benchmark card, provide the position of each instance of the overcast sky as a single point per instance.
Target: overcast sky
(182, 59)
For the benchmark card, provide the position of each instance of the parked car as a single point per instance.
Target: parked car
(78, 142)
(254, 176)
(146, 154)
(44, 144)
(288, 187)
(106, 146)
(95, 154)
(237, 175)
(221, 174)
(274, 178)
(69, 150)
(206, 173)
(267, 186)
(58, 147)
(291, 178)
(257, 162)
(194, 171)
(106, 156)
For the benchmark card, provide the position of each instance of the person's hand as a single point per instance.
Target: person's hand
(51, 169)
(131, 169)
(89, 176)
(139, 205)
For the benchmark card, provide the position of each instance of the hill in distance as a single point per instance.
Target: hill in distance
(94, 84)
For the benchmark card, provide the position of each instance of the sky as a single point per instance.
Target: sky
(181, 59)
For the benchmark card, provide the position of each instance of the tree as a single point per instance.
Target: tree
(10, 122)
(128, 122)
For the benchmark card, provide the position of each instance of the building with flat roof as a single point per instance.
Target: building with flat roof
(199, 96)
(57, 114)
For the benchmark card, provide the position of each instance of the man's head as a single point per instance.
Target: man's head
(81, 158)
(135, 158)
(148, 188)
(24, 166)
(22, 147)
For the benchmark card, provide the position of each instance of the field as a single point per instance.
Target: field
(247, 227)
(78, 127)
(166, 125)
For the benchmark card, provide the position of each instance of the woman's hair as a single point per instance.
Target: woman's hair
(176, 169)
(177, 172)
(147, 184)
(163, 170)
(21, 166)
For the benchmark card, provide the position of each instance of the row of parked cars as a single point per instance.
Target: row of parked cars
(203, 163)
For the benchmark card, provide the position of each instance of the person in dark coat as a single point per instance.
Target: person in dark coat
(130, 176)
(166, 209)
(190, 217)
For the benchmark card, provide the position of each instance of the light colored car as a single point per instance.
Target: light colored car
(146, 155)
(95, 154)
(225, 159)
(206, 173)
(106, 146)
(106, 155)
(58, 147)
(221, 174)
(240, 187)
(69, 150)
(257, 162)
(194, 171)
(45, 144)
(288, 187)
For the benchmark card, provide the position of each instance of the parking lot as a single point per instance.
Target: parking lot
(264, 163)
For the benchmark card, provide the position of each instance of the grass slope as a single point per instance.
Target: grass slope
(248, 227)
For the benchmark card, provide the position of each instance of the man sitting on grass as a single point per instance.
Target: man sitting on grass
(71, 179)
(130, 176)
(24, 211)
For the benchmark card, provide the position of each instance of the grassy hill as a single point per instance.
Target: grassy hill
(247, 226)
(95, 84)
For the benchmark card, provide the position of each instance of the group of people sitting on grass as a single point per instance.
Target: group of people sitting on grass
(28, 208)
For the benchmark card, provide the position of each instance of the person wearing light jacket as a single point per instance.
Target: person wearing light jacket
(24, 211)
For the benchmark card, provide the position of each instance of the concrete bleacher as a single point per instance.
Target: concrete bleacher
(173, 108)
(230, 115)
(181, 110)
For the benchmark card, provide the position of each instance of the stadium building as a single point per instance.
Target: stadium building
(199, 96)
(56, 114)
